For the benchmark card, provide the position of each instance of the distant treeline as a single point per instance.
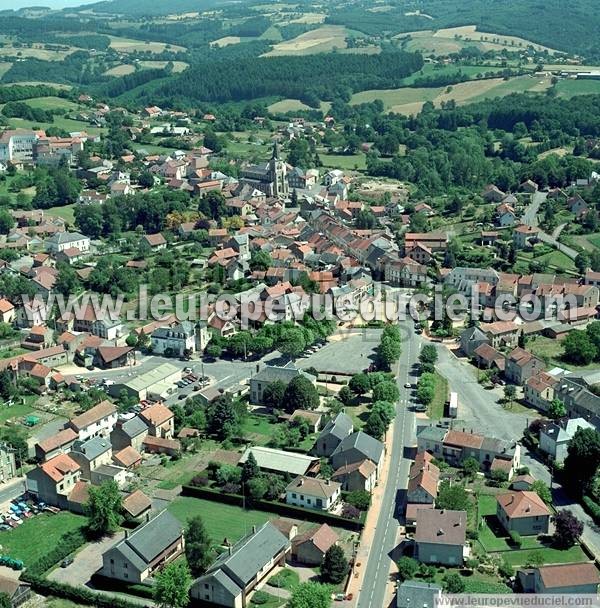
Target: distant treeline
(571, 27)
(19, 92)
(310, 78)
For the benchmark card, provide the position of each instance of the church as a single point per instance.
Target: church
(270, 178)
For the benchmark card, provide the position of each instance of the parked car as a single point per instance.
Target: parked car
(66, 562)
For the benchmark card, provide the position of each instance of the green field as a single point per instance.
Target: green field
(287, 105)
(550, 556)
(340, 161)
(19, 410)
(570, 88)
(59, 122)
(52, 103)
(221, 520)
(45, 530)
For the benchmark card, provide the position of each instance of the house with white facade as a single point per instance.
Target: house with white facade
(311, 493)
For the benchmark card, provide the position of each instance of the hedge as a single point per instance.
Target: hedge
(111, 584)
(79, 595)
(592, 508)
(356, 525)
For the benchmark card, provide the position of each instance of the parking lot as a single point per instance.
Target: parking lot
(347, 352)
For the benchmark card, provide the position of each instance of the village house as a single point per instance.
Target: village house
(492, 194)
(160, 421)
(239, 569)
(271, 373)
(487, 357)
(404, 272)
(310, 548)
(524, 236)
(156, 242)
(97, 421)
(53, 480)
(358, 447)
(423, 479)
(357, 476)
(523, 512)
(560, 578)
(128, 433)
(7, 311)
(521, 365)
(144, 551)
(137, 504)
(332, 435)
(91, 454)
(440, 537)
(60, 443)
(539, 390)
(555, 436)
(471, 339)
(502, 334)
(311, 493)
(417, 593)
(66, 240)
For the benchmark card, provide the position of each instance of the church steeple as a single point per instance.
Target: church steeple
(275, 150)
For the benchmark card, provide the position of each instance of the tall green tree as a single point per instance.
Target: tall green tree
(310, 595)
(172, 586)
(103, 508)
(198, 549)
(301, 394)
(335, 565)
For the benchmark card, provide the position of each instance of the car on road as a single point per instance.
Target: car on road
(407, 385)
(66, 562)
(182, 396)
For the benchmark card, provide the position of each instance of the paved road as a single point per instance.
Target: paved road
(530, 218)
(530, 215)
(479, 410)
(377, 570)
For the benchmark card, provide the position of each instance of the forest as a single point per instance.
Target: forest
(309, 78)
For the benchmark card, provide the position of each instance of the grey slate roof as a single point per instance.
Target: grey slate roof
(134, 427)
(252, 553)
(61, 238)
(415, 594)
(431, 433)
(473, 334)
(272, 373)
(92, 448)
(185, 329)
(341, 426)
(368, 446)
(149, 540)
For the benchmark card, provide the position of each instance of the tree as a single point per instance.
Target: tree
(250, 469)
(454, 583)
(386, 391)
(428, 354)
(172, 586)
(374, 426)
(273, 395)
(542, 490)
(407, 568)
(361, 499)
(6, 221)
(103, 508)
(301, 394)
(334, 567)
(452, 496)
(385, 410)
(310, 595)
(578, 348)
(223, 419)
(583, 459)
(7, 385)
(557, 409)
(582, 262)
(345, 395)
(388, 352)
(510, 391)
(213, 205)
(567, 529)
(198, 550)
(359, 384)
(470, 466)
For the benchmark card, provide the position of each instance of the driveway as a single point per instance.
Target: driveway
(86, 562)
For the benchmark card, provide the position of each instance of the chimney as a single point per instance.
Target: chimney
(440, 532)
(301, 482)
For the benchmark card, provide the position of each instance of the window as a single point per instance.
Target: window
(206, 585)
(112, 561)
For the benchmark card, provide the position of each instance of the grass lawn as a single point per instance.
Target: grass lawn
(38, 535)
(258, 429)
(66, 213)
(51, 103)
(435, 411)
(19, 410)
(570, 88)
(550, 556)
(221, 520)
(559, 261)
(550, 351)
(272, 601)
(286, 579)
